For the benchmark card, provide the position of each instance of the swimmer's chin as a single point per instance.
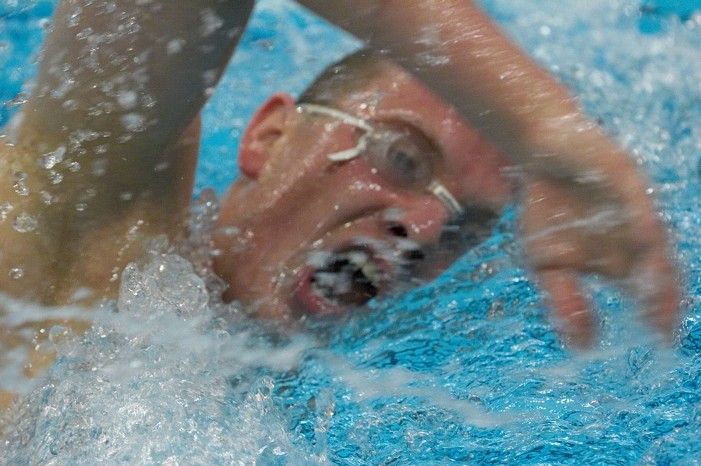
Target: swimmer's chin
(295, 305)
(272, 309)
(289, 309)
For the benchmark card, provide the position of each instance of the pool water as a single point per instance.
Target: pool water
(463, 370)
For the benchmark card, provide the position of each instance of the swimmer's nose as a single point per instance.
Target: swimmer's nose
(421, 220)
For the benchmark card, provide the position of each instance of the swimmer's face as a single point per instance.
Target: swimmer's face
(301, 234)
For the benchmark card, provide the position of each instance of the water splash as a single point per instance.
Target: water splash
(427, 377)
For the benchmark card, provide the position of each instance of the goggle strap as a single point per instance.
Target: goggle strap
(350, 154)
(451, 204)
(337, 114)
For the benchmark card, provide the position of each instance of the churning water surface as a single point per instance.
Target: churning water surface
(466, 369)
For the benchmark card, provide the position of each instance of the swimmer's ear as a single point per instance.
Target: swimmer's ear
(264, 130)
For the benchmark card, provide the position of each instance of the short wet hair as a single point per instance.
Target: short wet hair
(344, 77)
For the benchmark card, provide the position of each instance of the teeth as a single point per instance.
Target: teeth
(339, 274)
(358, 258)
(336, 283)
(371, 272)
(325, 279)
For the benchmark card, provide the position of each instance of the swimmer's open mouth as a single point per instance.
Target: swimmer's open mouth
(349, 277)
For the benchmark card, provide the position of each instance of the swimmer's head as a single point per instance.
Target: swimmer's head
(352, 191)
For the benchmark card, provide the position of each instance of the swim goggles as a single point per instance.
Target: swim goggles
(435, 187)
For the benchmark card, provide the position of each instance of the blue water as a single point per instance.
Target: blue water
(464, 370)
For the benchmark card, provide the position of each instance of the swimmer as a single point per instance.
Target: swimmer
(343, 192)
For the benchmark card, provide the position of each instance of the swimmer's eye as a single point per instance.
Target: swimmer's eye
(402, 159)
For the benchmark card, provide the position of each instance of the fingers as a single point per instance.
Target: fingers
(571, 310)
(656, 284)
(565, 238)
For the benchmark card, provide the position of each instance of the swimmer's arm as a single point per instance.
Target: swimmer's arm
(531, 118)
(455, 48)
(118, 84)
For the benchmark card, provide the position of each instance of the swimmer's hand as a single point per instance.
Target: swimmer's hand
(606, 226)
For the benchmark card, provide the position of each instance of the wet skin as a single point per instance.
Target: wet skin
(296, 218)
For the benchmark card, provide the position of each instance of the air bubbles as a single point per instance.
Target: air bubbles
(74, 167)
(16, 273)
(46, 197)
(25, 223)
(20, 99)
(59, 334)
(175, 46)
(70, 105)
(84, 34)
(44, 23)
(74, 18)
(211, 22)
(127, 99)
(209, 77)
(161, 166)
(51, 159)
(134, 122)
(231, 231)
(55, 177)
(20, 184)
(5, 209)
(99, 166)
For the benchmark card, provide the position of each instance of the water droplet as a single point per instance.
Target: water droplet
(99, 166)
(59, 333)
(20, 185)
(127, 99)
(55, 177)
(50, 159)
(70, 105)
(162, 166)
(209, 77)
(133, 122)
(175, 46)
(5, 209)
(25, 223)
(211, 22)
(46, 197)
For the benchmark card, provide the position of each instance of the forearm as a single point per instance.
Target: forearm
(118, 82)
(139, 71)
(455, 48)
(27, 246)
